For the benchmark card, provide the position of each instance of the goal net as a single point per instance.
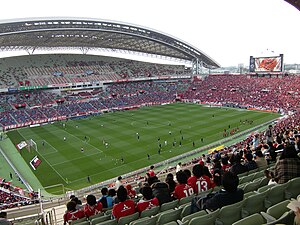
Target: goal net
(31, 145)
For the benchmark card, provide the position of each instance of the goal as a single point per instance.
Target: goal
(31, 145)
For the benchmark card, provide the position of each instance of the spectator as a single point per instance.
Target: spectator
(92, 207)
(288, 165)
(178, 167)
(118, 183)
(199, 181)
(78, 202)
(111, 197)
(130, 192)
(170, 181)
(72, 213)
(182, 190)
(151, 171)
(250, 164)
(148, 201)
(125, 207)
(270, 176)
(161, 192)
(103, 198)
(229, 195)
(260, 160)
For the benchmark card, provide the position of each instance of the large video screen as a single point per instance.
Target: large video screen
(266, 64)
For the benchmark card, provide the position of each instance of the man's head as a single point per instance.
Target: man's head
(122, 194)
(230, 181)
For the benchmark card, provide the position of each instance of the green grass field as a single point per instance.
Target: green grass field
(63, 162)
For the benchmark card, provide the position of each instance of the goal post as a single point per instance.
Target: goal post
(31, 145)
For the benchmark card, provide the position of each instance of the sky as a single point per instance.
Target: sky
(229, 31)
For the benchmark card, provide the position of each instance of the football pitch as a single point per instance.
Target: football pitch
(106, 146)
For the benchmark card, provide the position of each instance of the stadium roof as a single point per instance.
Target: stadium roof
(295, 3)
(89, 34)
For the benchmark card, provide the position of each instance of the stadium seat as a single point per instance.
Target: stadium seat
(145, 221)
(96, 216)
(251, 186)
(279, 213)
(293, 190)
(230, 214)
(242, 174)
(127, 219)
(169, 205)
(191, 216)
(186, 210)
(246, 179)
(255, 219)
(79, 221)
(275, 195)
(100, 219)
(246, 195)
(168, 216)
(264, 188)
(150, 212)
(185, 200)
(208, 219)
(83, 223)
(171, 223)
(108, 222)
(258, 174)
(263, 182)
(254, 204)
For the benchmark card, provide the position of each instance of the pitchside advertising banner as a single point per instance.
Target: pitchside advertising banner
(266, 64)
(35, 162)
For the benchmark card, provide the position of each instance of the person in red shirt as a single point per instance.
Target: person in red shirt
(130, 192)
(199, 182)
(125, 207)
(92, 207)
(151, 171)
(147, 202)
(72, 213)
(182, 190)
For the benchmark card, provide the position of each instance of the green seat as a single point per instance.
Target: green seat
(96, 216)
(191, 216)
(185, 200)
(145, 221)
(242, 174)
(82, 223)
(255, 219)
(168, 216)
(263, 182)
(169, 205)
(254, 204)
(186, 210)
(171, 223)
(127, 219)
(230, 214)
(100, 219)
(79, 221)
(298, 198)
(293, 190)
(208, 219)
(246, 195)
(150, 212)
(264, 188)
(275, 195)
(258, 174)
(246, 179)
(108, 222)
(251, 186)
(279, 213)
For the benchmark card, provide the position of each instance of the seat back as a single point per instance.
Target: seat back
(186, 210)
(169, 205)
(191, 216)
(278, 209)
(109, 222)
(100, 219)
(254, 204)
(251, 186)
(230, 214)
(255, 219)
(264, 188)
(208, 219)
(78, 221)
(144, 221)
(275, 195)
(185, 200)
(292, 189)
(246, 179)
(127, 219)
(168, 216)
(150, 212)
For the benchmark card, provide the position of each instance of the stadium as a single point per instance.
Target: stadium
(72, 124)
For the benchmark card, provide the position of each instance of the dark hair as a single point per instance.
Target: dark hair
(198, 170)
(91, 200)
(181, 177)
(71, 206)
(152, 180)
(104, 191)
(259, 153)
(112, 192)
(3, 214)
(249, 156)
(152, 167)
(224, 161)
(147, 192)
(230, 181)
(122, 194)
(119, 178)
(289, 152)
(187, 172)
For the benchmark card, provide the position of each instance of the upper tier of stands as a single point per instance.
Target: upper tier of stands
(39, 70)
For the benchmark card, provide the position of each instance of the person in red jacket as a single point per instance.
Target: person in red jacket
(182, 190)
(130, 192)
(92, 207)
(72, 213)
(147, 202)
(199, 182)
(125, 207)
